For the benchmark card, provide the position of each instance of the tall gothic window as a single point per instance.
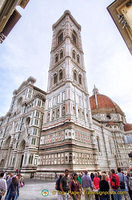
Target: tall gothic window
(74, 37)
(55, 78)
(80, 79)
(60, 75)
(78, 58)
(56, 58)
(60, 38)
(30, 159)
(75, 75)
(61, 54)
(73, 54)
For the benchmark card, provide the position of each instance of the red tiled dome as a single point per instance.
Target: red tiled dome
(104, 104)
(128, 127)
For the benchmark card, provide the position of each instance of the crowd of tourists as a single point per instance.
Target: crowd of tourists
(96, 186)
(9, 185)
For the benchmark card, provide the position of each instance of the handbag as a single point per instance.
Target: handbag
(2, 192)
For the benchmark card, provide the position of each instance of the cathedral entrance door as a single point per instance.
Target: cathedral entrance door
(21, 150)
(21, 162)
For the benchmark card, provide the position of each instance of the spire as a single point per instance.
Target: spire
(95, 90)
(95, 93)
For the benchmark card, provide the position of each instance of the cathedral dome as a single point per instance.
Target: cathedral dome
(102, 104)
(128, 127)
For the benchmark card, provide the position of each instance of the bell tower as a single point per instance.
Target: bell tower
(67, 134)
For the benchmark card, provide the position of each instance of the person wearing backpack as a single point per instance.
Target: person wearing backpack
(123, 184)
(115, 185)
(130, 184)
(57, 187)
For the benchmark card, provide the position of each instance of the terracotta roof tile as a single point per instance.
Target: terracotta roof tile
(104, 103)
(128, 127)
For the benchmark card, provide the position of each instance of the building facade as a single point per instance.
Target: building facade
(9, 15)
(45, 132)
(121, 13)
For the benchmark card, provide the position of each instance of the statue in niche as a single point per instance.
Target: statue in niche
(63, 110)
(53, 115)
(57, 113)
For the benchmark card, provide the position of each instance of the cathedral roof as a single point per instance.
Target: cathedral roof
(128, 127)
(103, 104)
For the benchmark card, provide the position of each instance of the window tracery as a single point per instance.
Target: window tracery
(55, 78)
(60, 74)
(73, 54)
(80, 79)
(60, 37)
(74, 37)
(75, 75)
(61, 54)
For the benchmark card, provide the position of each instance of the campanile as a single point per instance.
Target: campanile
(67, 135)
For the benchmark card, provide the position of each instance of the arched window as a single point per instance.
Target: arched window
(27, 121)
(61, 54)
(19, 102)
(73, 54)
(56, 58)
(30, 159)
(60, 75)
(75, 75)
(78, 58)
(80, 79)
(55, 78)
(60, 37)
(74, 37)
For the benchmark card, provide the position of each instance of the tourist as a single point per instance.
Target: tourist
(92, 176)
(9, 180)
(75, 188)
(3, 185)
(107, 177)
(96, 181)
(57, 187)
(99, 175)
(104, 188)
(115, 185)
(123, 184)
(13, 189)
(87, 186)
(130, 183)
(64, 185)
(79, 179)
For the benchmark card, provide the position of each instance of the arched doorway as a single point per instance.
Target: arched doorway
(21, 153)
(2, 163)
(5, 152)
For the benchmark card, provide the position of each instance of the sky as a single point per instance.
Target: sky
(26, 50)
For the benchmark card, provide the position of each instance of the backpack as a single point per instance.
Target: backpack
(122, 183)
(58, 184)
(114, 183)
(130, 183)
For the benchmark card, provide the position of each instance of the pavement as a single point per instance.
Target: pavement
(32, 190)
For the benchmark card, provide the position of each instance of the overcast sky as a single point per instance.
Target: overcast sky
(26, 50)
